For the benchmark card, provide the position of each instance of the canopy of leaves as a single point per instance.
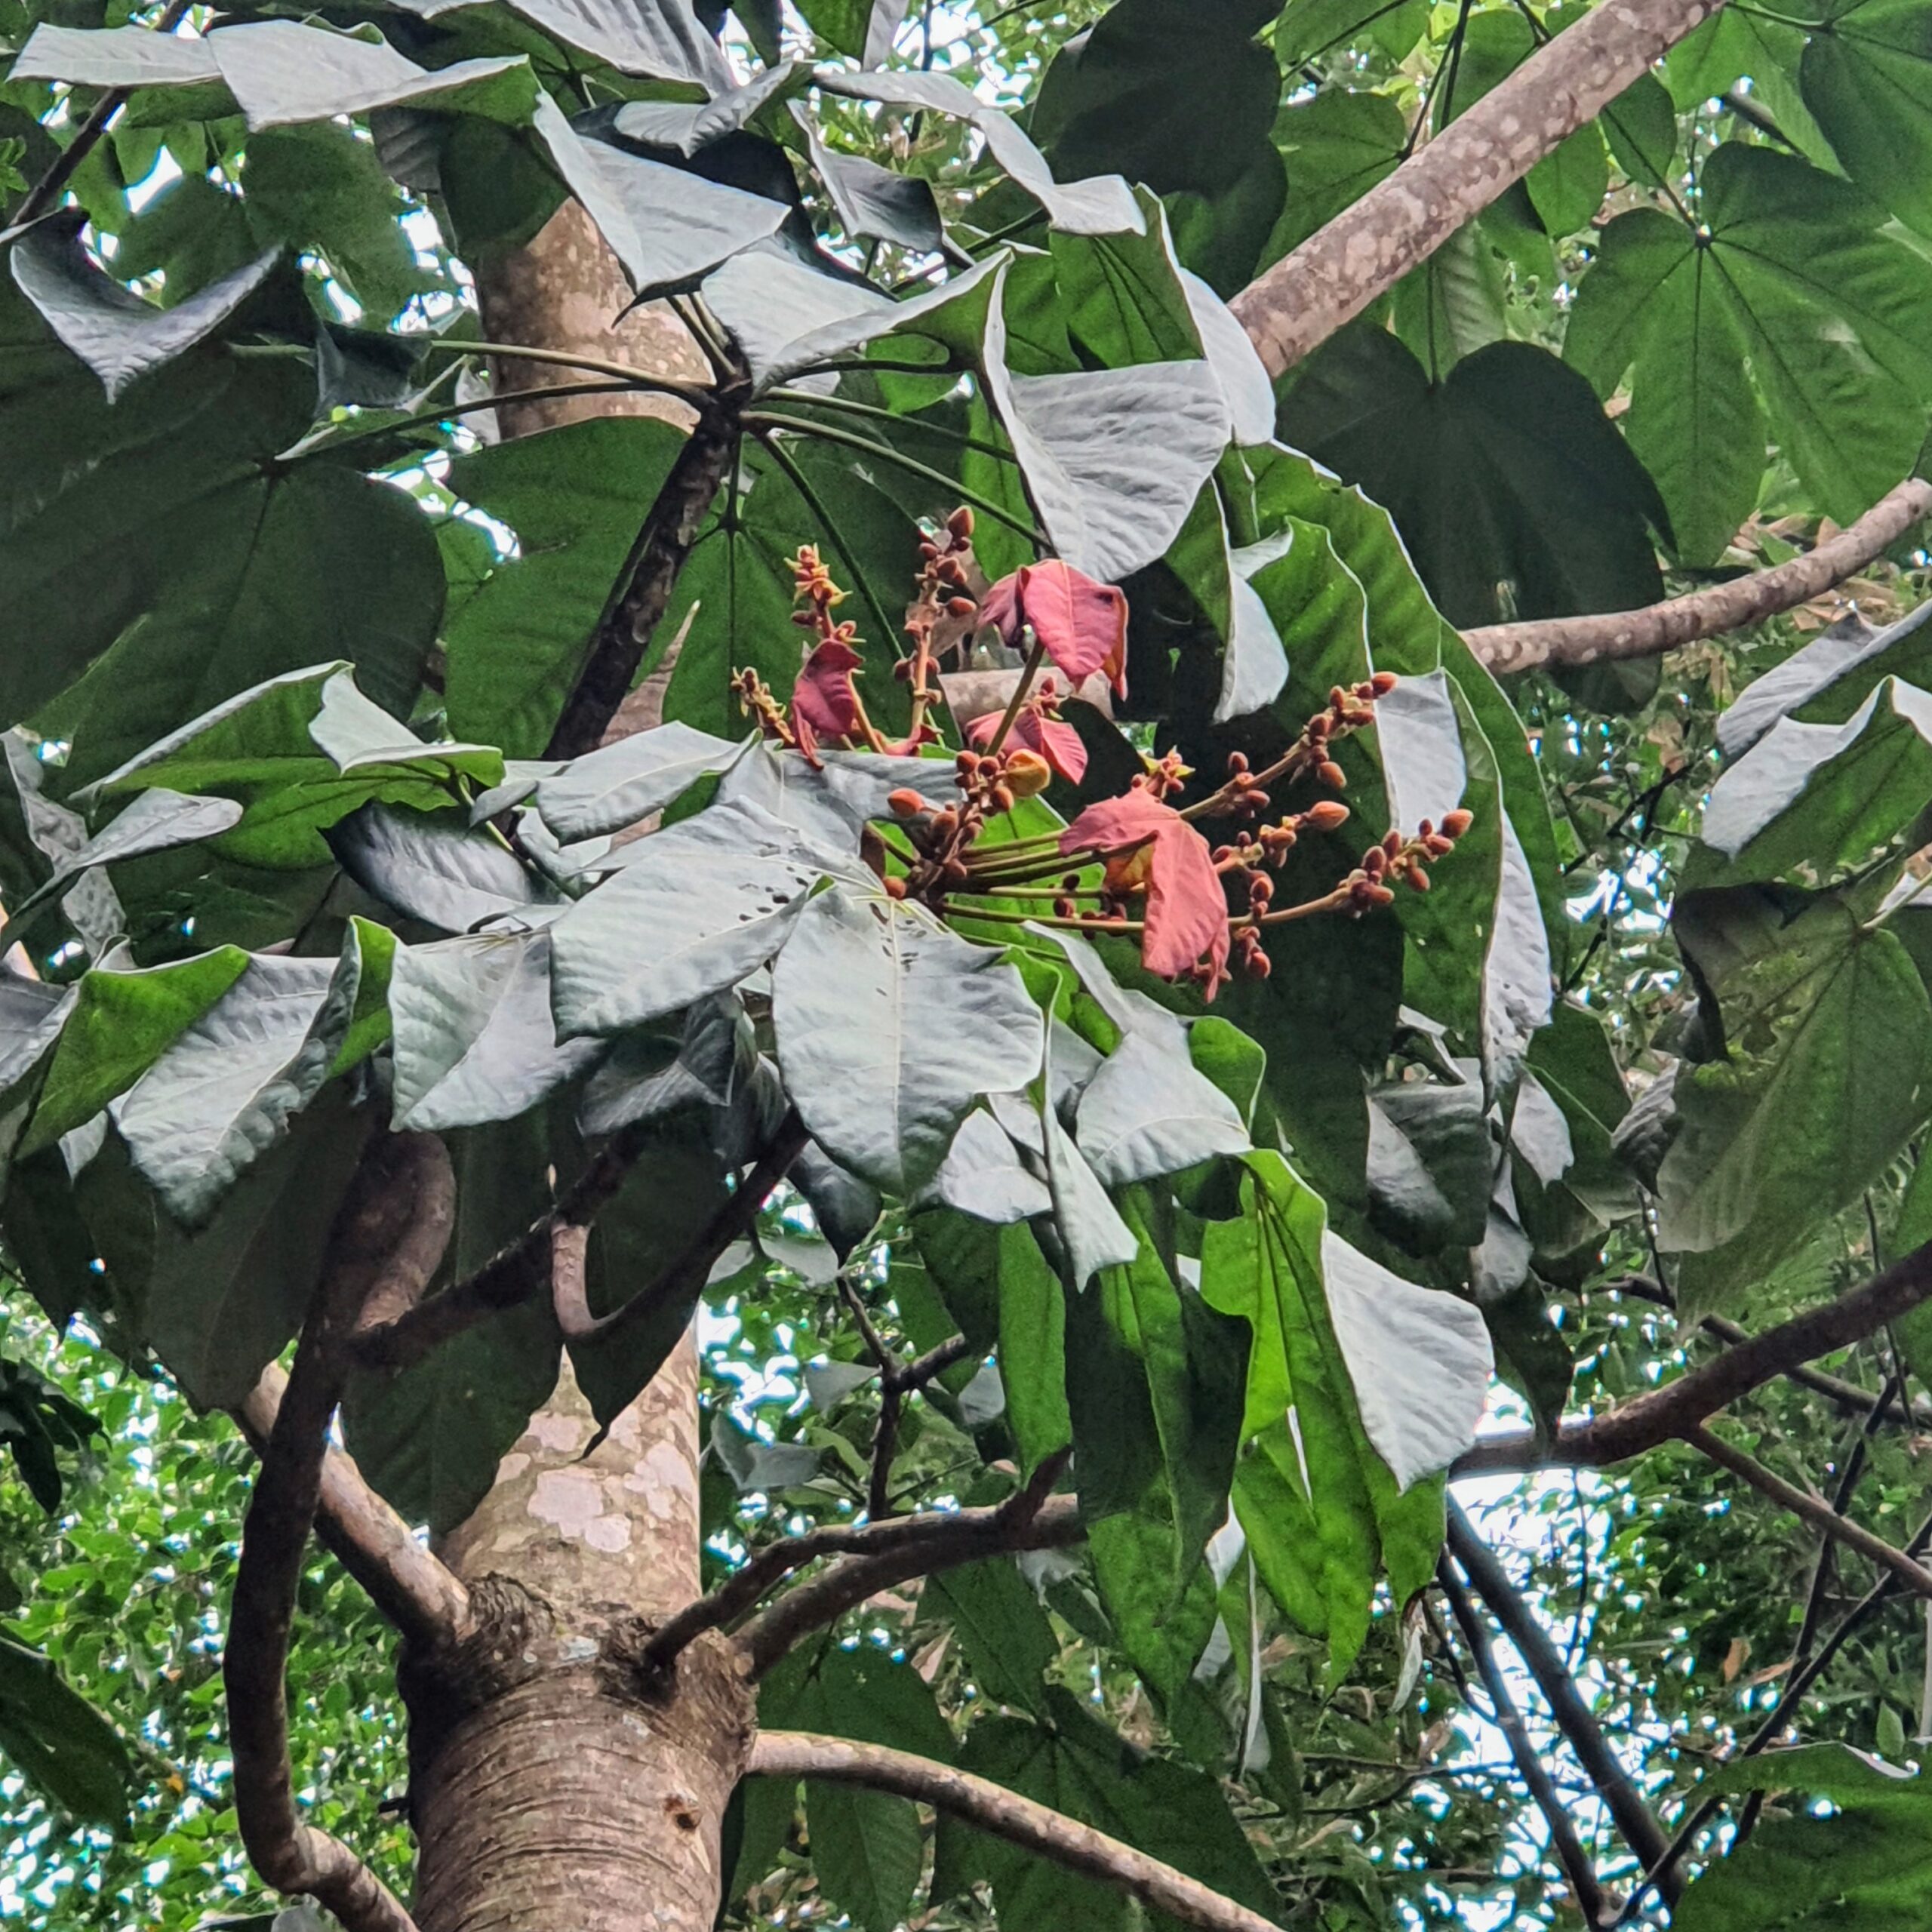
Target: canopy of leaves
(289, 629)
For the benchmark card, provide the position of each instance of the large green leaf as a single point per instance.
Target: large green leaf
(1172, 93)
(430, 1437)
(256, 569)
(1829, 1051)
(119, 336)
(475, 1040)
(1867, 76)
(1504, 478)
(223, 1302)
(889, 1027)
(58, 1741)
(1867, 1861)
(698, 906)
(122, 1020)
(1789, 264)
(1811, 801)
(575, 497)
(227, 1088)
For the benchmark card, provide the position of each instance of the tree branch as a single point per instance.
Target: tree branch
(1302, 300)
(387, 1238)
(48, 189)
(935, 1537)
(643, 590)
(1031, 1518)
(735, 1218)
(1657, 627)
(1812, 1509)
(515, 1273)
(1634, 1818)
(1020, 1821)
(1680, 1407)
(422, 1598)
(1576, 1862)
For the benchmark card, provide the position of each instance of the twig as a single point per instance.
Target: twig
(47, 190)
(387, 1239)
(1657, 627)
(1812, 1509)
(1563, 1838)
(934, 1533)
(1021, 1821)
(1678, 1408)
(1634, 1818)
(422, 1598)
(1031, 1518)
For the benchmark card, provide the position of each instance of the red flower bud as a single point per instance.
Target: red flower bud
(895, 887)
(960, 607)
(1455, 823)
(959, 524)
(1418, 877)
(1383, 682)
(1237, 763)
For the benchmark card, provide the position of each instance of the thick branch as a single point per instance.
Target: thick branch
(935, 1537)
(643, 591)
(1050, 1834)
(1678, 1408)
(1300, 302)
(1709, 612)
(423, 1599)
(735, 1219)
(1812, 1509)
(388, 1237)
(1576, 1862)
(1031, 1519)
(1634, 1819)
(520, 1270)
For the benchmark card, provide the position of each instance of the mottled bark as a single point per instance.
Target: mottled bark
(566, 291)
(1299, 303)
(554, 1784)
(1657, 628)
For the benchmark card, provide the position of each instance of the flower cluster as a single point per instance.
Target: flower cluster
(1135, 864)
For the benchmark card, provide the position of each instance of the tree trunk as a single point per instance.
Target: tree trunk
(555, 1787)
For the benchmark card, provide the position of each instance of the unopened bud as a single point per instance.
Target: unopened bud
(1374, 862)
(968, 762)
(960, 607)
(1418, 877)
(928, 550)
(1327, 815)
(1439, 846)
(1455, 823)
(1331, 774)
(1027, 775)
(1391, 842)
(1383, 682)
(960, 524)
(895, 887)
(1063, 909)
(1260, 889)
(907, 803)
(1237, 763)
(1002, 798)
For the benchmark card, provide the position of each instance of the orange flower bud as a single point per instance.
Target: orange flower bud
(1418, 877)
(895, 887)
(907, 803)
(1331, 774)
(1327, 815)
(1027, 775)
(1383, 682)
(1455, 823)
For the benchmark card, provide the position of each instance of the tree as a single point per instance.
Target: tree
(937, 805)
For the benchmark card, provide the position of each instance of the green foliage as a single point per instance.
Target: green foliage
(283, 839)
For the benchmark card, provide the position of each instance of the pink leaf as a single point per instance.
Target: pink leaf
(1081, 624)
